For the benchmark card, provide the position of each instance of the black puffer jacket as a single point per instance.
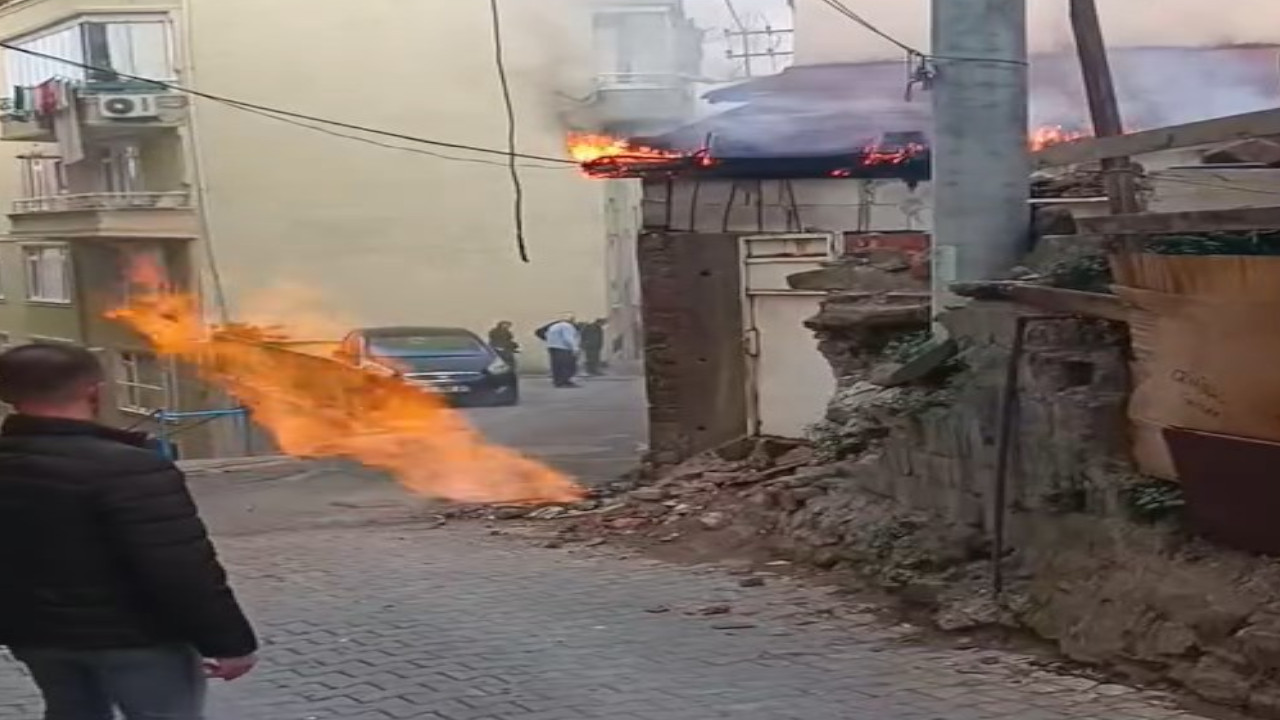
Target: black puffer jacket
(101, 547)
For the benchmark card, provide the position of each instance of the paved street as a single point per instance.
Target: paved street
(595, 432)
(369, 612)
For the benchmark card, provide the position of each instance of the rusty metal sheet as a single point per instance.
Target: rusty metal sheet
(1232, 487)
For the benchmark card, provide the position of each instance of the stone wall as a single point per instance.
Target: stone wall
(908, 501)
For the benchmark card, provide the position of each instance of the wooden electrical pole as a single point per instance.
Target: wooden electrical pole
(1118, 173)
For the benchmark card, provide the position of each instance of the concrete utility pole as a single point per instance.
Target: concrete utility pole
(981, 162)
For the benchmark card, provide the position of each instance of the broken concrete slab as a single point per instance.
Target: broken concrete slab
(921, 365)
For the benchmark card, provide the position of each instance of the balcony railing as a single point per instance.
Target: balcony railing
(647, 81)
(104, 201)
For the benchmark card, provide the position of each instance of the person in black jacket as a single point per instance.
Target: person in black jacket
(110, 590)
(503, 342)
(593, 346)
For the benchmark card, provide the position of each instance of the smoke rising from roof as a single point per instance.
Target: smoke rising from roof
(827, 37)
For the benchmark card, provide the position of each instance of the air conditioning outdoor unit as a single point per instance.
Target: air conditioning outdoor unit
(126, 107)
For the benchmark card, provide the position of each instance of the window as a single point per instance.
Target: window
(141, 271)
(135, 44)
(6, 341)
(42, 176)
(121, 169)
(140, 383)
(635, 46)
(48, 273)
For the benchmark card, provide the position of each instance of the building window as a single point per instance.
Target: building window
(140, 383)
(135, 44)
(48, 269)
(42, 176)
(634, 46)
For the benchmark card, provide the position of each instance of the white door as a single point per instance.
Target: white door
(791, 383)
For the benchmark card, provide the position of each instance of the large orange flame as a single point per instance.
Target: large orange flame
(317, 407)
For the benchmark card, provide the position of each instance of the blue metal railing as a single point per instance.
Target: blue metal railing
(167, 417)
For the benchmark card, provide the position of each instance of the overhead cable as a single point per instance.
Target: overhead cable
(508, 103)
(912, 52)
(246, 105)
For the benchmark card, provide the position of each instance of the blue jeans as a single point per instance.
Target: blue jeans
(155, 683)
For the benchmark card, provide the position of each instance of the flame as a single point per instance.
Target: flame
(1047, 135)
(882, 155)
(589, 147)
(316, 407)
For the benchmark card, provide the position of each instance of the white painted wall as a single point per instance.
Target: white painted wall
(824, 205)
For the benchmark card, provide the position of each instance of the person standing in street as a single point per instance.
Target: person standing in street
(563, 345)
(593, 346)
(503, 342)
(111, 592)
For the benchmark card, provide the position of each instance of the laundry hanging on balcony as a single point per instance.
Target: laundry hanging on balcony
(56, 100)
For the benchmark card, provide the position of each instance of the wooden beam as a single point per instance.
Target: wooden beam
(1072, 302)
(1052, 299)
(1236, 219)
(1206, 132)
(1117, 173)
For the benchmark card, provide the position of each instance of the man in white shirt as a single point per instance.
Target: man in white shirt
(563, 345)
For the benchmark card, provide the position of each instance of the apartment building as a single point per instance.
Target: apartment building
(97, 169)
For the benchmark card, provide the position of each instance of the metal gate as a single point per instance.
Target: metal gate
(789, 382)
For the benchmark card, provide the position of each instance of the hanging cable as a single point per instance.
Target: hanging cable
(912, 53)
(391, 146)
(504, 82)
(245, 105)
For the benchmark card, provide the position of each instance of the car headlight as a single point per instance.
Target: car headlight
(498, 367)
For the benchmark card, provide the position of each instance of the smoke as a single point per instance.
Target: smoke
(1127, 23)
(1170, 58)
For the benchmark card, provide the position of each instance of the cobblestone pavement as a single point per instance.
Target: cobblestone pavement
(400, 621)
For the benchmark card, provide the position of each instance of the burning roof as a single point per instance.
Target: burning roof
(855, 120)
(902, 156)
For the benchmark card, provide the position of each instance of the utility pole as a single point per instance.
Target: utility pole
(981, 160)
(772, 38)
(1103, 106)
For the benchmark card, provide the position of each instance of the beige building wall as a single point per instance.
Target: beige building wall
(390, 236)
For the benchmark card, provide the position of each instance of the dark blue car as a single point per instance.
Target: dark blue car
(452, 362)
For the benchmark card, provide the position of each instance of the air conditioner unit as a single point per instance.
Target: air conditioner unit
(127, 107)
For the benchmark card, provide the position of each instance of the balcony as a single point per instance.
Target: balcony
(104, 112)
(128, 215)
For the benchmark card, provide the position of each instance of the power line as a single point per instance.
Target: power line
(517, 187)
(391, 146)
(912, 53)
(844, 10)
(245, 105)
(733, 13)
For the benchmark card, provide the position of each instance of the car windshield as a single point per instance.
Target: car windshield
(425, 345)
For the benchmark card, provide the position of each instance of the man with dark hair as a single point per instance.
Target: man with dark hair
(110, 590)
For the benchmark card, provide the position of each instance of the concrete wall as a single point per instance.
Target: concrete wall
(907, 498)
(693, 324)
(625, 349)
(389, 236)
(826, 205)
